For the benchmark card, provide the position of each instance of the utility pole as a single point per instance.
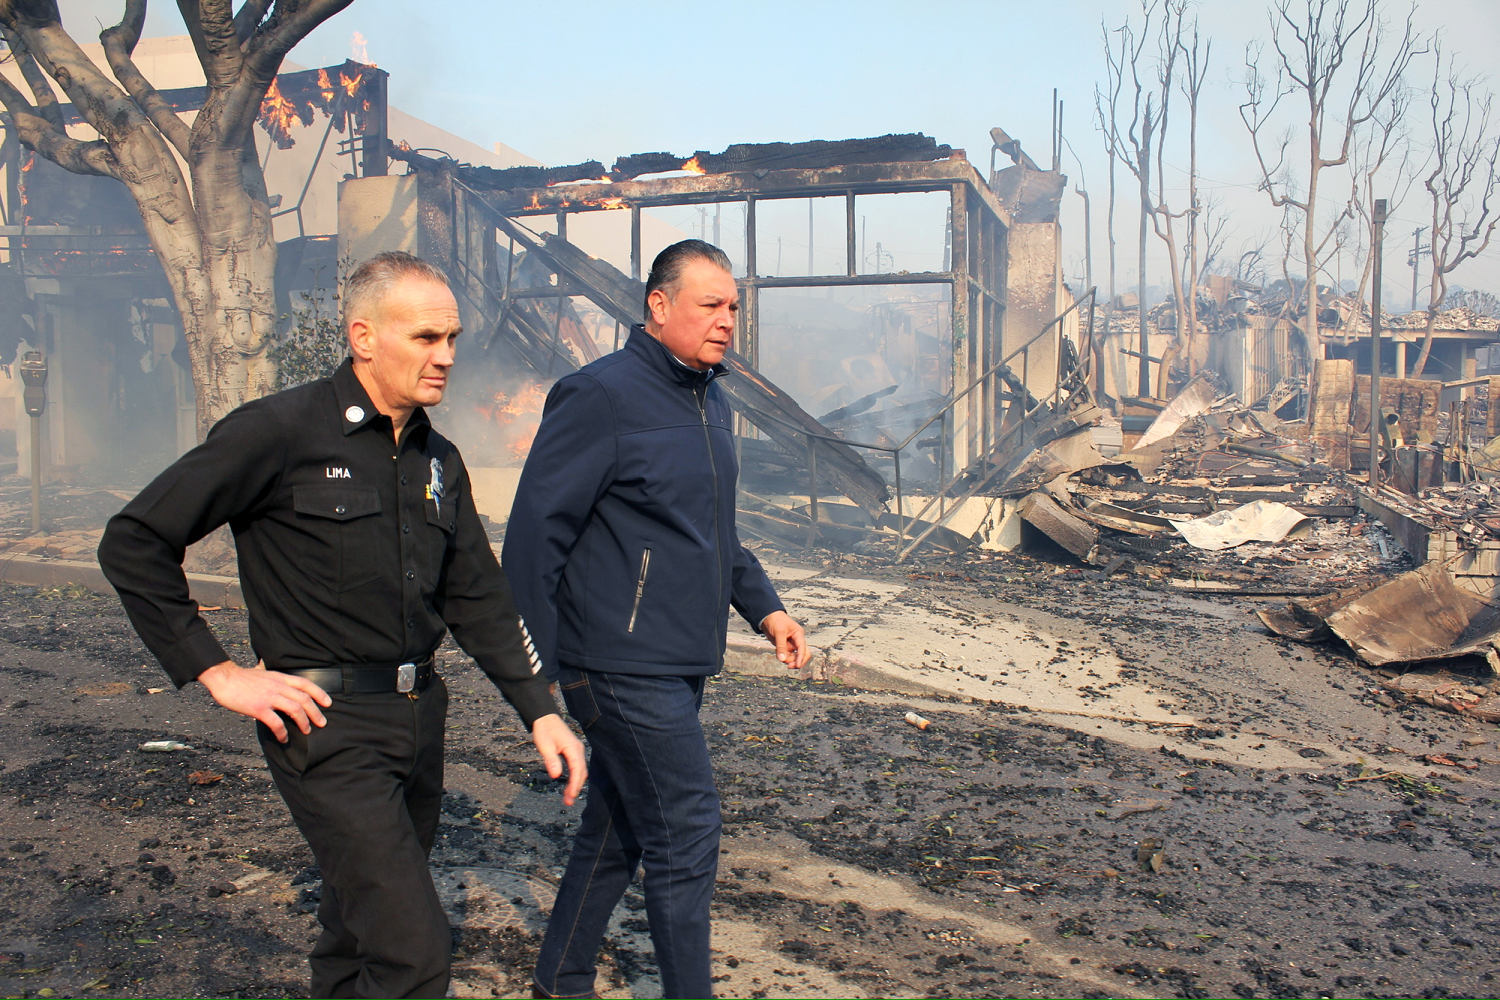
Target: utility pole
(1377, 419)
(1417, 250)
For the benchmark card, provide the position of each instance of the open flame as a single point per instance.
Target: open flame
(516, 416)
(359, 49)
(693, 166)
(279, 114)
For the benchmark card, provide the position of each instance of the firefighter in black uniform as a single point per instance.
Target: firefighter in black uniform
(358, 546)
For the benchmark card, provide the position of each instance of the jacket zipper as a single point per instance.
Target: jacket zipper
(640, 589)
(713, 469)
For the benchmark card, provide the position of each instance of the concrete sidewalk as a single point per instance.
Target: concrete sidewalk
(871, 634)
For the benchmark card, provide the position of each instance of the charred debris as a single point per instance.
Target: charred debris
(992, 428)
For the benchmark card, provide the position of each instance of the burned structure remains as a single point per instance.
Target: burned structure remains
(893, 389)
(913, 374)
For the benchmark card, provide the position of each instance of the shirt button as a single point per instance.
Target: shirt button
(341, 509)
(406, 529)
(403, 480)
(411, 623)
(410, 575)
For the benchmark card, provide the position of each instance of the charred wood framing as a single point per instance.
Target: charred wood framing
(754, 395)
(1004, 381)
(783, 155)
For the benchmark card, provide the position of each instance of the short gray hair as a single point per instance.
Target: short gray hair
(666, 269)
(371, 280)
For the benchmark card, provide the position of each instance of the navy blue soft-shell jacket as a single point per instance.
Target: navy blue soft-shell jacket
(621, 548)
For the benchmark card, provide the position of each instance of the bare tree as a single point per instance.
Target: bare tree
(1143, 148)
(1462, 182)
(1122, 144)
(211, 229)
(1196, 54)
(1345, 66)
(1380, 166)
(1213, 223)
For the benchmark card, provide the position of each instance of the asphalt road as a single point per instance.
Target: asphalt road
(1299, 838)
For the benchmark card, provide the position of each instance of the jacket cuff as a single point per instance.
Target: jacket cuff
(531, 698)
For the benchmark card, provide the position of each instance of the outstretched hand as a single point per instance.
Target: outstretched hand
(557, 745)
(266, 695)
(791, 644)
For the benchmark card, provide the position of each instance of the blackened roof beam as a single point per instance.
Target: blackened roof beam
(738, 158)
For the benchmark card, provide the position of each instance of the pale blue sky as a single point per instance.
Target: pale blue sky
(591, 80)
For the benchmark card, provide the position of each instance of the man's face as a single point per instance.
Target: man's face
(406, 345)
(697, 323)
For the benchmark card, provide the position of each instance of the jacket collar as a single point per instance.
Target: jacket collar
(659, 358)
(355, 408)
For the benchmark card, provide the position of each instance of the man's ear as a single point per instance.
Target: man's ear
(657, 303)
(361, 339)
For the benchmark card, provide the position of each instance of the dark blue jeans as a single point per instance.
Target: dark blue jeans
(651, 802)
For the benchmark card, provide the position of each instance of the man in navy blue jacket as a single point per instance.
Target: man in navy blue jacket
(622, 552)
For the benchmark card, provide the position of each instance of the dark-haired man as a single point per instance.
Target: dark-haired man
(622, 548)
(358, 545)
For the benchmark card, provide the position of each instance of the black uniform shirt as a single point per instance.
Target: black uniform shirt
(353, 549)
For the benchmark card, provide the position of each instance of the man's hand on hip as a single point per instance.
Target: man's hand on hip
(557, 744)
(261, 694)
(791, 644)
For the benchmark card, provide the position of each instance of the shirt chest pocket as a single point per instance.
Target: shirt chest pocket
(343, 528)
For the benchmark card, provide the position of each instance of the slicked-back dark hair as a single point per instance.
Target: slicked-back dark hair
(371, 280)
(666, 269)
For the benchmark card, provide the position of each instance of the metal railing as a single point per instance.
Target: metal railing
(1064, 382)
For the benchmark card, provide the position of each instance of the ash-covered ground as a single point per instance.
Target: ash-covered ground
(1347, 848)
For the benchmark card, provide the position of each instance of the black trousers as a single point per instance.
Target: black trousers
(366, 791)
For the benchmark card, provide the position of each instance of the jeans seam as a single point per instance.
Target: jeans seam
(668, 901)
(578, 913)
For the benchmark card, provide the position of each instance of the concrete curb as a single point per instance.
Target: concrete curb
(752, 657)
(757, 658)
(32, 571)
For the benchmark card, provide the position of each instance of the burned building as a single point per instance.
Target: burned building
(903, 322)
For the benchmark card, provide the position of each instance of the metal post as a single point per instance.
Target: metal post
(851, 254)
(36, 475)
(1416, 256)
(810, 270)
(1376, 418)
(812, 488)
(33, 371)
(900, 501)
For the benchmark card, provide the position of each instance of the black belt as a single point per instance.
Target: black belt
(362, 678)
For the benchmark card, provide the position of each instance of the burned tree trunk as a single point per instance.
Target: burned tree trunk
(211, 230)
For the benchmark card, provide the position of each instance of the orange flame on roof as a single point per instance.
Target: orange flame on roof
(694, 167)
(359, 48)
(325, 85)
(278, 113)
(350, 85)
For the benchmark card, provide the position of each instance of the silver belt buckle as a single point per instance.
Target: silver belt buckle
(406, 677)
